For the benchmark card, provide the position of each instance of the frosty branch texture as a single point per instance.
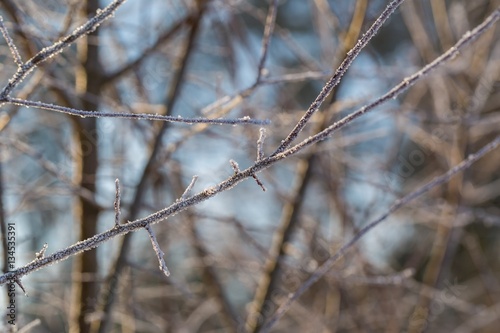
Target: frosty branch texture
(146, 116)
(335, 79)
(283, 151)
(159, 253)
(10, 43)
(48, 52)
(187, 191)
(401, 87)
(25, 68)
(181, 205)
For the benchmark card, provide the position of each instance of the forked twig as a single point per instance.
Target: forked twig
(25, 68)
(159, 253)
(402, 86)
(341, 70)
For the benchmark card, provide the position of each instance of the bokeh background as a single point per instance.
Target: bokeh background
(432, 266)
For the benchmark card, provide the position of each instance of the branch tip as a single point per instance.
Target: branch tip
(117, 202)
(41, 254)
(159, 253)
(235, 166)
(188, 190)
(254, 176)
(260, 144)
(19, 283)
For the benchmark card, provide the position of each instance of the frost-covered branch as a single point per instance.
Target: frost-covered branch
(401, 87)
(25, 68)
(159, 253)
(48, 52)
(265, 163)
(145, 116)
(339, 73)
(10, 43)
(187, 191)
(117, 204)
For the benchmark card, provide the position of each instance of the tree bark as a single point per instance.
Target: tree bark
(88, 78)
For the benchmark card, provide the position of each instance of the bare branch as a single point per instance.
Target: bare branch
(57, 47)
(341, 70)
(257, 180)
(20, 284)
(235, 166)
(268, 30)
(265, 163)
(230, 101)
(260, 144)
(158, 251)
(10, 43)
(401, 87)
(117, 202)
(100, 114)
(144, 55)
(188, 190)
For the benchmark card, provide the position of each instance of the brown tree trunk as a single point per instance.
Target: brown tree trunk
(88, 78)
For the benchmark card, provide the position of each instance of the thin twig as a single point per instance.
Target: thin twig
(235, 179)
(235, 99)
(20, 284)
(10, 43)
(101, 114)
(164, 37)
(230, 101)
(297, 77)
(268, 30)
(257, 180)
(235, 166)
(41, 254)
(117, 202)
(170, 102)
(158, 251)
(260, 144)
(188, 190)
